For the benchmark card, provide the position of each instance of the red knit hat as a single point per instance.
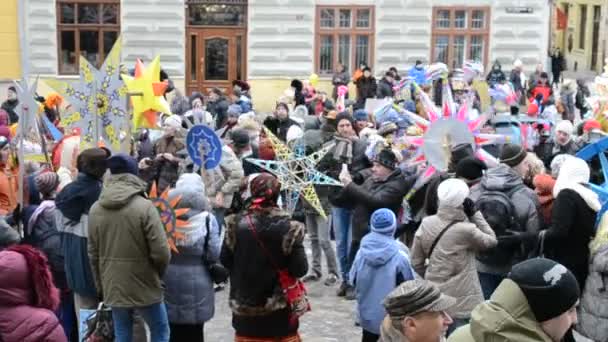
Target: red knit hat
(591, 125)
(533, 109)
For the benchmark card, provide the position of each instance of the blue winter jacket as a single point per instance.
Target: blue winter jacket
(418, 74)
(74, 202)
(381, 264)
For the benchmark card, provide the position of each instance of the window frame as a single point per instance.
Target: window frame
(336, 31)
(582, 18)
(468, 32)
(76, 27)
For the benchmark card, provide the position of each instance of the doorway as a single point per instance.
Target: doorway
(216, 41)
(595, 46)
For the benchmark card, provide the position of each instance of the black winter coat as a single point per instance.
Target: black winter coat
(218, 110)
(257, 302)
(279, 127)
(385, 89)
(9, 106)
(370, 195)
(366, 89)
(567, 241)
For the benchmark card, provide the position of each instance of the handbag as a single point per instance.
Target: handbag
(100, 326)
(292, 287)
(219, 274)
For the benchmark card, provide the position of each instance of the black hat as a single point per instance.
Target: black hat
(512, 154)
(460, 152)
(122, 163)
(367, 69)
(387, 158)
(93, 161)
(345, 116)
(470, 169)
(12, 88)
(550, 288)
(240, 138)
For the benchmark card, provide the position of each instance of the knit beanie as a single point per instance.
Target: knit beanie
(470, 168)
(452, 192)
(122, 163)
(383, 221)
(360, 115)
(512, 154)
(387, 158)
(93, 161)
(565, 126)
(460, 152)
(591, 125)
(550, 288)
(345, 116)
(47, 183)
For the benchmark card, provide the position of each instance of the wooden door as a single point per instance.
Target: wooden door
(216, 57)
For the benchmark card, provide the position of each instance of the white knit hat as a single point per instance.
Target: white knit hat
(173, 121)
(565, 126)
(452, 192)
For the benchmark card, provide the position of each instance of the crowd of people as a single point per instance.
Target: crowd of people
(511, 250)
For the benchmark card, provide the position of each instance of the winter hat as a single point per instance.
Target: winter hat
(470, 168)
(550, 288)
(361, 115)
(460, 152)
(452, 192)
(93, 161)
(557, 162)
(47, 183)
(12, 88)
(383, 221)
(191, 190)
(387, 158)
(265, 190)
(591, 125)
(512, 154)
(122, 163)
(173, 121)
(241, 84)
(282, 104)
(574, 175)
(239, 137)
(234, 111)
(194, 96)
(543, 184)
(565, 126)
(345, 116)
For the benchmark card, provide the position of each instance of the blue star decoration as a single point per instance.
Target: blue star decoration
(204, 146)
(297, 173)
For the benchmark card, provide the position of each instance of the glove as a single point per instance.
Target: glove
(469, 207)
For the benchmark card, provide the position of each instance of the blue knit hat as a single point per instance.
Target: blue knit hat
(360, 115)
(122, 163)
(384, 221)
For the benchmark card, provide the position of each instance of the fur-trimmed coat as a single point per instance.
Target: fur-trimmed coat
(258, 305)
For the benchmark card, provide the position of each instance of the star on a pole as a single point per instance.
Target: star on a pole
(27, 108)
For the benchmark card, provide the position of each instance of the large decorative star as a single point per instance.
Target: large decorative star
(297, 172)
(147, 82)
(170, 216)
(27, 108)
(97, 100)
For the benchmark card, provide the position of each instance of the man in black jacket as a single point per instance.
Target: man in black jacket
(385, 86)
(217, 106)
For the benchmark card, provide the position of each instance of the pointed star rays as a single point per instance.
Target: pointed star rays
(297, 172)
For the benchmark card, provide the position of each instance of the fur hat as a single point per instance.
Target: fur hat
(93, 161)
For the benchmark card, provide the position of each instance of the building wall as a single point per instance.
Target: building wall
(41, 37)
(10, 66)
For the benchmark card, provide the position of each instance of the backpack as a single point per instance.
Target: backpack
(499, 211)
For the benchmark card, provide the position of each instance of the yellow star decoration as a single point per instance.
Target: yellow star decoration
(147, 82)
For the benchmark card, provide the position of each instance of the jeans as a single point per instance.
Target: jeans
(341, 219)
(66, 314)
(318, 232)
(219, 214)
(489, 282)
(154, 315)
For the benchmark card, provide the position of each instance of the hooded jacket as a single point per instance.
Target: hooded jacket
(504, 179)
(505, 317)
(74, 202)
(452, 265)
(418, 73)
(128, 246)
(380, 266)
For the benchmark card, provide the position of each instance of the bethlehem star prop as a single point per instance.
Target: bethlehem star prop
(150, 99)
(203, 145)
(296, 172)
(169, 215)
(98, 101)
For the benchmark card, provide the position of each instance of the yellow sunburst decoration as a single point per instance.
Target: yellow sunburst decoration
(169, 216)
(147, 82)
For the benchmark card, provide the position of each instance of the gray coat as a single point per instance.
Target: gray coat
(593, 319)
(189, 294)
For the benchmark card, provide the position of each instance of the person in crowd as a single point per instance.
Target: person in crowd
(380, 265)
(359, 72)
(28, 297)
(8, 235)
(180, 104)
(385, 86)
(533, 78)
(567, 100)
(280, 123)
(259, 241)
(450, 241)
(564, 139)
(558, 64)
(366, 88)
(517, 78)
(580, 101)
(11, 104)
(163, 169)
(189, 293)
(384, 186)
(8, 184)
(217, 105)
(240, 144)
(510, 208)
(143, 145)
(496, 75)
(537, 302)
(73, 203)
(4, 125)
(417, 312)
(361, 120)
(542, 89)
(395, 72)
(543, 186)
(470, 170)
(418, 73)
(594, 300)
(592, 132)
(232, 120)
(299, 99)
(573, 219)
(197, 112)
(241, 87)
(41, 232)
(320, 104)
(222, 185)
(318, 229)
(340, 78)
(128, 251)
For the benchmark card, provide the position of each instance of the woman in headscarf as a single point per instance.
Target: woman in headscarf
(259, 240)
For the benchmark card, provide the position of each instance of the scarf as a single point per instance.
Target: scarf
(45, 205)
(343, 151)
